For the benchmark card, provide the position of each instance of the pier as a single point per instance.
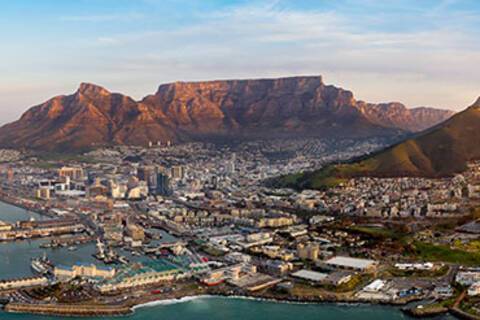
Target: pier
(38, 229)
(69, 241)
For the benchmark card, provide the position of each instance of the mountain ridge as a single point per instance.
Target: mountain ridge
(206, 110)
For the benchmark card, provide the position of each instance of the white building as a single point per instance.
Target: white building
(349, 263)
(467, 278)
(310, 275)
(83, 270)
(375, 286)
(414, 266)
(474, 289)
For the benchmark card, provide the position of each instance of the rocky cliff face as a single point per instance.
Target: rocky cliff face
(90, 117)
(213, 110)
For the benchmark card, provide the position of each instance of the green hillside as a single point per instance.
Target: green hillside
(439, 152)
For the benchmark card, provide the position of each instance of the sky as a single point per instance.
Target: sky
(418, 52)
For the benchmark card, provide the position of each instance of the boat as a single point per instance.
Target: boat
(72, 248)
(122, 260)
(212, 282)
(148, 250)
(41, 265)
(100, 249)
(156, 291)
(37, 266)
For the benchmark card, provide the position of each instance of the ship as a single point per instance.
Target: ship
(41, 265)
(100, 255)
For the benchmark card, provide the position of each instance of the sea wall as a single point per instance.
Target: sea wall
(80, 310)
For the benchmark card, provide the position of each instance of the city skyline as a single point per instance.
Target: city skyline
(417, 54)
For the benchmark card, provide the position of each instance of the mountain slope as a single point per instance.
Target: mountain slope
(438, 152)
(395, 114)
(91, 116)
(212, 110)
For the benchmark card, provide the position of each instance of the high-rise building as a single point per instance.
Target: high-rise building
(43, 193)
(157, 180)
(10, 174)
(163, 185)
(74, 173)
(231, 167)
(177, 172)
(97, 189)
(309, 251)
(149, 175)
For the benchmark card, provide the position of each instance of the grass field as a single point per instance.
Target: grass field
(471, 246)
(432, 252)
(375, 232)
(305, 290)
(419, 273)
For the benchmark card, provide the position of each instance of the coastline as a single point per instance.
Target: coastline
(252, 298)
(75, 310)
(412, 312)
(238, 297)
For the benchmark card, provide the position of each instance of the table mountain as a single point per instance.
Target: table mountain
(211, 111)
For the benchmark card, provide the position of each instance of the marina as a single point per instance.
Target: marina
(17, 255)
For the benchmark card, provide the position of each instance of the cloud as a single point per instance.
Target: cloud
(416, 54)
(107, 41)
(433, 64)
(120, 17)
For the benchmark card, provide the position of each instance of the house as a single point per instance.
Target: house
(467, 278)
(443, 291)
(474, 289)
(338, 278)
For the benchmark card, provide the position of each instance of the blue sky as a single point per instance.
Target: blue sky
(420, 52)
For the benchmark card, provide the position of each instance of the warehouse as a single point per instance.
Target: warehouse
(310, 275)
(348, 263)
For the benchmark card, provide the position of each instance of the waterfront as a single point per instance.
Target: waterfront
(16, 255)
(234, 309)
(9, 213)
(16, 263)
